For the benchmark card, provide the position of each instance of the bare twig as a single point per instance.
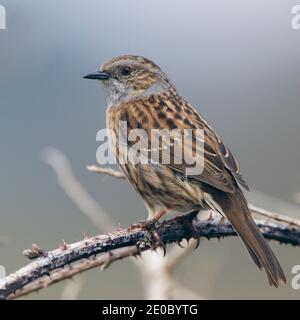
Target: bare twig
(75, 190)
(274, 216)
(102, 250)
(108, 171)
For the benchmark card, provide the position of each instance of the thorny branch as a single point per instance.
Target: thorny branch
(71, 259)
(102, 250)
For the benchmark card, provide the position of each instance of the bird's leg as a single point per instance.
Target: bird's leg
(151, 221)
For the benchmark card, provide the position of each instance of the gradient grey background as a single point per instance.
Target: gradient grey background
(238, 61)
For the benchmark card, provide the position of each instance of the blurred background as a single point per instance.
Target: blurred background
(238, 62)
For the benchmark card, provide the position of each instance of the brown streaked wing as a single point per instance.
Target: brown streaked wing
(228, 159)
(220, 169)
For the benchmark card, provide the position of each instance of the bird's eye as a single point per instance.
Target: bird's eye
(126, 71)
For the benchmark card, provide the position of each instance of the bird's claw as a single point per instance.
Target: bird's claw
(152, 239)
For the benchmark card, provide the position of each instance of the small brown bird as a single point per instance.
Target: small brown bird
(140, 93)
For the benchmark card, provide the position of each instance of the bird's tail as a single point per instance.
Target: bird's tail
(238, 213)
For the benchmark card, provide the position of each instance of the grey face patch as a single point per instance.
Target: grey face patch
(144, 80)
(117, 91)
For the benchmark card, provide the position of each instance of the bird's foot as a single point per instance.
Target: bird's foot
(152, 239)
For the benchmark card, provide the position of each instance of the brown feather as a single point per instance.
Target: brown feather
(235, 208)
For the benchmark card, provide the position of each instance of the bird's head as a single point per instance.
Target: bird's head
(130, 77)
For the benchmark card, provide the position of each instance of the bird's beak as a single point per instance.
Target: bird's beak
(99, 75)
